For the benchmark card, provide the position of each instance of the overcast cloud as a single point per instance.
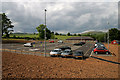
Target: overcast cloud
(63, 17)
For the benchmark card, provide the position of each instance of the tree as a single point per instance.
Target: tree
(114, 34)
(68, 34)
(41, 31)
(52, 35)
(79, 34)
(74, 34)
(7, 26)
(56, 33)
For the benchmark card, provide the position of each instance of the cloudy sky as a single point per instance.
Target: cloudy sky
(74, 16)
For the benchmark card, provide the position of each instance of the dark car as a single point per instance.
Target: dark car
(79, 44)
(78, 54)
(65, 47)
(100, 49)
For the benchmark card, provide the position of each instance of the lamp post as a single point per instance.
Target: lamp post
(108, 36)
(45, 36)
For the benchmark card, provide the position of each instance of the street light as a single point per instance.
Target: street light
(108, 35)
(45, 36)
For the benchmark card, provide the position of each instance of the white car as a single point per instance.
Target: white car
(28, 45)
(67, 53)
(55, 52)
(60, 41)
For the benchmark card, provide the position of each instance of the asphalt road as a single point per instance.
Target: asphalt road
(39, 48)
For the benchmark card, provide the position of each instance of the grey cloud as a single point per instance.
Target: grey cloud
(75, 17)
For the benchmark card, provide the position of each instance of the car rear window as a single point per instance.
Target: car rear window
(55, 50)
(78, 52)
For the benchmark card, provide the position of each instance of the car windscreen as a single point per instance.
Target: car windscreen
(66, 51)
(28, 43)
(55, 50)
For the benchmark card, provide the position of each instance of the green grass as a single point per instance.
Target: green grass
(63, 37)
(25, 35)
(11, 39)
(33, 36)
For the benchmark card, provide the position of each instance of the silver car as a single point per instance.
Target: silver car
(60, 41)
(55, 52)
(67, 53)
(28, 45)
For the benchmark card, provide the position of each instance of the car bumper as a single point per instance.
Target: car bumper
(66, 55)
(77, 56)
(54, 54)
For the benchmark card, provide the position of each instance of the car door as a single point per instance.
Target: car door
(101, 50)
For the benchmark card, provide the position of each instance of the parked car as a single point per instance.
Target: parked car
(60, 41)
(99, 45)
(78, 54)
(65, 47)
(79, 44)
(28, 45)
(51, 41)
(95, 45)
(67, 53)
(55, 52)
(100, 49)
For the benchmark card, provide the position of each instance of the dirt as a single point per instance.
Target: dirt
(30, 66)
(14, 41)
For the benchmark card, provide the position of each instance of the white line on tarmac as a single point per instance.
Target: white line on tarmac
(88, 50)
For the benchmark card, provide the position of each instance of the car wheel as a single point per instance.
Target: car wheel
(107, 52)
(96, 52)
(76, 57)
(51, 56)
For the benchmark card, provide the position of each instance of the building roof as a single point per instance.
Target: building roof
(80, 38)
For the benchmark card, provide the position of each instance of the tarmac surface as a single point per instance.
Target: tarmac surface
(38, 48)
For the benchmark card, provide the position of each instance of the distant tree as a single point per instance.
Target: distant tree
(56, 33)
(52, 35)
(68, 34)
(114, 34)
(74, 34)
(41, 31)
(48, 33)
(60, 33)
(14, 36)
(79, 34)
(118, 37)
(7, 26)
(52, 32)
(34, 33)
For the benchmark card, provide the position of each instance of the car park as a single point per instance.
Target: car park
(28, 45)
(67, 53)
(79, 44)
(78, 54)
(60, 41)
(55, 52)
(100, 49)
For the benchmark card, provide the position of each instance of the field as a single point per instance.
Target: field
(61, 37)
(33, 66)
(24, 35)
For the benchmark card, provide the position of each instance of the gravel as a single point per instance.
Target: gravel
(31, 66)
